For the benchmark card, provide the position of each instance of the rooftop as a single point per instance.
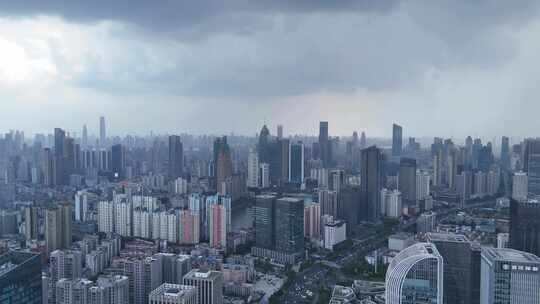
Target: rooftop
(509, 255)
(447, 237)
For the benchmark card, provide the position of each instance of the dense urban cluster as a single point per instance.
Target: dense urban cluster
(185, 219)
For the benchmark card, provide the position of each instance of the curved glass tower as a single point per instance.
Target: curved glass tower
(415, 276)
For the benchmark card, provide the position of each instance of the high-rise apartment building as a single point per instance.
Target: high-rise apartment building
(31, 221)
(520, 188)
(58, 227)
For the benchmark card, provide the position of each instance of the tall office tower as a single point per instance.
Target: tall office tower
(102, 132)
(415, 276)
(31, 227)
(363, 141)
(437, 169)
(532, 165)
(58, 227)
(312, 221)
(209, 285)
(218, 225)
(84, 139)
(329, 202)
(20, 278)
(253, 169)
(426, 222)
(509, 277)
(222, 161)
(325, 148)
(372, 181)
(520, 189)
(525, 225)
(174, 294)
(69, 157)
(407, 180)
(280, 131)
(296, 163)
(462, 260)
(397, 140)
(264, 175)
(464, 186)
(391, 203)
(176, 157)
(48, 167)
(352, 206)
(264, 222)
(118, 161)
(284, 147)
(59, 172)
(451, 170)
(289, 234)
(423, 179)
(505, 153)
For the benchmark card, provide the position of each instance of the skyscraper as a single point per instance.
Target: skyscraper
(397, 140)
(222, 161)
(59, 173)
(532, 165)
(505, 153)
(461, 267)
(407, 180)
(509, 277)
(325, 147)
(289, 225)
(296, 163)
(280, 131)
(525, 225)
(253, 169)
(372, 181)
(415, 276)
(118, 161)
(176, 157)
(20, 278)
(102, 132)
(84, 140)
(264, 214)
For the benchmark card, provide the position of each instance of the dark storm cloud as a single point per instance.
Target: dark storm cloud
(177, 16)
(283, 47)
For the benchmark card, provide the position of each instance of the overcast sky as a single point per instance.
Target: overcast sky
(446, 67)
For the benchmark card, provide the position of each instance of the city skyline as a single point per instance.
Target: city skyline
(230, 67)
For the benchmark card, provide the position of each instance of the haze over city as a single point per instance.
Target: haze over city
(269, 152)
(447, 67)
